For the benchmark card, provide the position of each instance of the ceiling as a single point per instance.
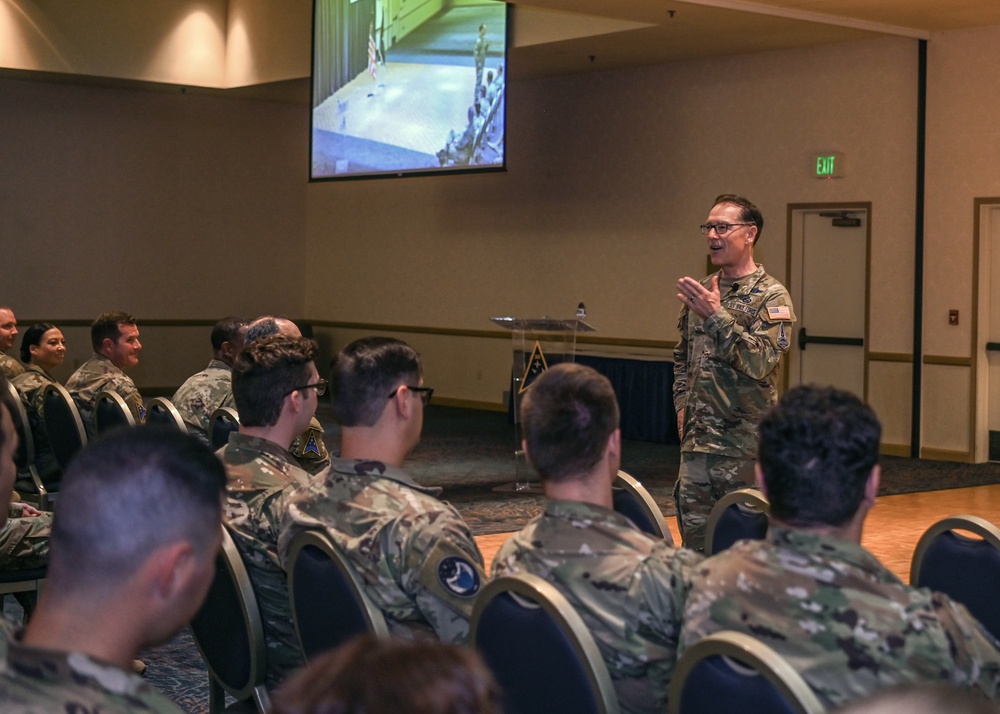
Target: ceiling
(553, 37)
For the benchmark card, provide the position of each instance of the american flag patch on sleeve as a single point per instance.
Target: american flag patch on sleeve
(780, 312)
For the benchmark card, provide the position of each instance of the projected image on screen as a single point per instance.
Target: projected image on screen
(404, 86)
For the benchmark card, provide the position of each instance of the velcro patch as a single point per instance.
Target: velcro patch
(779, 312)
(458, 576)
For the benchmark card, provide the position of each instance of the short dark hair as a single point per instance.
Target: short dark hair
(372, 676)
(749, 212)
(366, 372)
(227, 329)
(818, 445)
(265, 371)
(261, 327)
(128, 493)
(106, 326)
(567, 416)
(32, 337)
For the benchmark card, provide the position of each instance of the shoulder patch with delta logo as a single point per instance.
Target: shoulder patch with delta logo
(778, 313)
(311, 446)
(458, 576)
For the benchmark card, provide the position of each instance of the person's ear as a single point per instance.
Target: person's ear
(872, 485)
(758, 475)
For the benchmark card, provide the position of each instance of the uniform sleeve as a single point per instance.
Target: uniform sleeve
(681, 362)
(442, 570)
(755, 349)
(976, 651)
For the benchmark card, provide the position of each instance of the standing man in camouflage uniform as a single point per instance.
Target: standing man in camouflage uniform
(734, 327)
(121, 576)
(275, 384)
(810, 590)
(308, 448)
(627, 586)
(115, 339)
(9, 366)
(415, 554)
(206, 391)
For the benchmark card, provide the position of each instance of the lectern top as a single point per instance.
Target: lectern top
(543, 324)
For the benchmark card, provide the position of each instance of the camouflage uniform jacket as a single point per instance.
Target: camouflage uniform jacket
(35, 681)
(24, 541)
(726, 367)
(31, 386)
(844, 622)
(10, 366)
(416, 555)
(260, 477)
(97, 375)
(202, 394)
(628, 588)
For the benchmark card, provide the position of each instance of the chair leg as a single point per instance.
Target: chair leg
(216, 696)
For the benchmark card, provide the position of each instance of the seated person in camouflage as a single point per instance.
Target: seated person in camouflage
(276, 386)
(810, 591)
(415, 554)
(115, 339)
(211, 388)
(43, 348)
(627, 586)
(9, 366)
(308, 448)
(133, 555)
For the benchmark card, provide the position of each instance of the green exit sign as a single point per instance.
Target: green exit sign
(829, 165)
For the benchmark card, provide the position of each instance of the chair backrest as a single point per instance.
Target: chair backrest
(733, 672)
(632, 500)
(63, 425)
(738, 515)
(229, 633)
(24, 458)
(221, 424)
(162, 411)
(539, 649)
(966, 569)
(329, 604)
(111, 412)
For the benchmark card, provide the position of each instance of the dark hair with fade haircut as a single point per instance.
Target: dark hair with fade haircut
(818, 445)
(128, 493)
(32, 337)
(749, 212)
(106, 327)
(567, 415)
(366, 372)
(227, 329)
(265, 371)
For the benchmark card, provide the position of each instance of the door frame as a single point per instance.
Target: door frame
(979, 437)
(793, 225)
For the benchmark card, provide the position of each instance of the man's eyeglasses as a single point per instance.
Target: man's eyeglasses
(319, 386)
(425, 393)
(720, 228)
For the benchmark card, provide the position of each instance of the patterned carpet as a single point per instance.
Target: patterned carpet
(468, 453)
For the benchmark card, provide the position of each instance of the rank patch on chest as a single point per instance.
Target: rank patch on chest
(458, 576)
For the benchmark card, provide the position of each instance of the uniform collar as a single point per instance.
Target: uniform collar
(377, 469)
(829, 548)
(581, 510)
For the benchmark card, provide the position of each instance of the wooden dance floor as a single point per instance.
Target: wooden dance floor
(892, 528)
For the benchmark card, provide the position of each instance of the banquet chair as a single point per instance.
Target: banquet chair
(631, 499)
(733, 672)
(229, 634)
(63, 425)
(221, 424)
(738, 515)
(539, 649)
(34, 489)
(111, 412)
(967, 569)
(329, 604)
(162, 411)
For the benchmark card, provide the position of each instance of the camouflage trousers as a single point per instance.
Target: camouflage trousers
(701, 481)
(24, 542)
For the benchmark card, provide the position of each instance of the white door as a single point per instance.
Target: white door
(829, 286)
(990, 322)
